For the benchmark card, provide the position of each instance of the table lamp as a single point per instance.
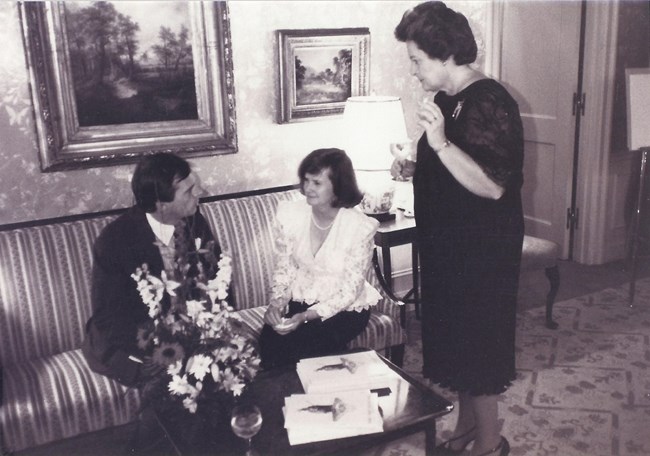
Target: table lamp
(372, 125)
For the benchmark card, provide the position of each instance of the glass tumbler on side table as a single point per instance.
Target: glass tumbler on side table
(246, 421)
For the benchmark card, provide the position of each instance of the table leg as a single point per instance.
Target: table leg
(430, 439)
(388, 278)
(415, 267)
(388, 268)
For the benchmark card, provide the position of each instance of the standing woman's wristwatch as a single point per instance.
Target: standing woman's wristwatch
(444, 145)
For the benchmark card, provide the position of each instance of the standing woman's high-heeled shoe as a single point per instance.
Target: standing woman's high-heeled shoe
(445, 449)
(503, 448)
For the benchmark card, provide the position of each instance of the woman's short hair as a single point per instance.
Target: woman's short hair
(438, 31)
(153, 179)
(341, 173)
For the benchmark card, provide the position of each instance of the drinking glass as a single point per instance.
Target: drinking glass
(402, 150)
(246, 421)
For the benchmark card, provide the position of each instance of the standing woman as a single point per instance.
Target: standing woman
(467, 180)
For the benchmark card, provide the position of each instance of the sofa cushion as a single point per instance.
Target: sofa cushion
(382, 332)
(59, 396)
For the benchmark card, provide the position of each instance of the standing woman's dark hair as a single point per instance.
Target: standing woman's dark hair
(341, 173)
(153, 179)
(439, 31)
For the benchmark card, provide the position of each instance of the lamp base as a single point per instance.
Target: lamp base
(383, 217)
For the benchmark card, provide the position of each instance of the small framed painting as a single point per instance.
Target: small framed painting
(320, 69)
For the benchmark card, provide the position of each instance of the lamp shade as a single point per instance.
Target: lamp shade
(372, 124)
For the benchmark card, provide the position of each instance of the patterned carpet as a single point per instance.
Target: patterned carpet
(582, 390)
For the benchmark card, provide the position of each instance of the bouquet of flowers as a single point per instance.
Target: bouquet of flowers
(194, 338)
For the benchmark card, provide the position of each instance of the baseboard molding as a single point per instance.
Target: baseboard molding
(402, 281)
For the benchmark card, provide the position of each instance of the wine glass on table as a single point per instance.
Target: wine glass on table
(246, 421)
(402, 151)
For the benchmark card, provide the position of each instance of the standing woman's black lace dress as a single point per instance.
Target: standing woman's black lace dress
(470, 247)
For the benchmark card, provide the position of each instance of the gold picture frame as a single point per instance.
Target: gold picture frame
(319, 69)
(101, 98)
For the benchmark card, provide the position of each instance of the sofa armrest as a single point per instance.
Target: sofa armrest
(390, 304)
(382, 280)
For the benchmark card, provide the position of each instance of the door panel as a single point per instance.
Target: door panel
(539, 65)
(538, 165)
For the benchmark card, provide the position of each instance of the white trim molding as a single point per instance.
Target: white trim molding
(593, 167)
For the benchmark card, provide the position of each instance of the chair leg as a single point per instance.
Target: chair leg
(553, 275)
(396, 355)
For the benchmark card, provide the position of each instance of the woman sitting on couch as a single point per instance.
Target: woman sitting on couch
(320, 298)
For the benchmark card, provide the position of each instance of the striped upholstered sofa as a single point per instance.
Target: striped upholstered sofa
(49, 393)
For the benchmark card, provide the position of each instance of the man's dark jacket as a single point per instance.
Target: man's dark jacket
(124, 245)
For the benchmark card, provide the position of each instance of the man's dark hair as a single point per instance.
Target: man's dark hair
(438, 31)
(153, 179)
(341, 173)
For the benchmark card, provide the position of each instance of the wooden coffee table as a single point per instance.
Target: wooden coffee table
(408, 409)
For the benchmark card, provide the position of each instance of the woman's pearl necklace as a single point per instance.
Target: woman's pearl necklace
(322, 228)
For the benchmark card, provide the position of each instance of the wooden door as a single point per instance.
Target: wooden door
(540, 44)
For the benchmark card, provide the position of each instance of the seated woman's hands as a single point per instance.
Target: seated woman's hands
(273, 316)
(289, 325)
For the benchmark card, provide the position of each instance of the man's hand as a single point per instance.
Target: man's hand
(150, 368)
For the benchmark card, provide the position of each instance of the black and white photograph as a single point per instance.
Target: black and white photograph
(325, 227)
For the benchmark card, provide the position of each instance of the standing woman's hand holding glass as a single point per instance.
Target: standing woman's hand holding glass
(403, 166)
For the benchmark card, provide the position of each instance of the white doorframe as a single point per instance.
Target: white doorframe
(494, 37)
(593, 162)
(593, 166)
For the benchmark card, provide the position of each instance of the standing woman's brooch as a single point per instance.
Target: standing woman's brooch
(456, 113)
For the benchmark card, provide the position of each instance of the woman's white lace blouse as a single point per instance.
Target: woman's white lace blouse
(333, 279)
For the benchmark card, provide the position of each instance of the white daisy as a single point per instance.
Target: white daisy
(199, 365)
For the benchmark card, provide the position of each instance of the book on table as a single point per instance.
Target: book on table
(335, 415)
(352, 371)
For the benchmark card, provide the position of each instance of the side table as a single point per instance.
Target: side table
(393, 233)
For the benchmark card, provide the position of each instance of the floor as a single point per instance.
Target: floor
(576, 280)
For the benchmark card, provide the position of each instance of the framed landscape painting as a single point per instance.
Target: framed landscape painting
(320, 69)
(115, 80)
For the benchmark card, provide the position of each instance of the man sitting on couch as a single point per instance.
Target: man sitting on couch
(167, 194)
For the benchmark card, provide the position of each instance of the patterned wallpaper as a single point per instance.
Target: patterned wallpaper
(269, 153)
